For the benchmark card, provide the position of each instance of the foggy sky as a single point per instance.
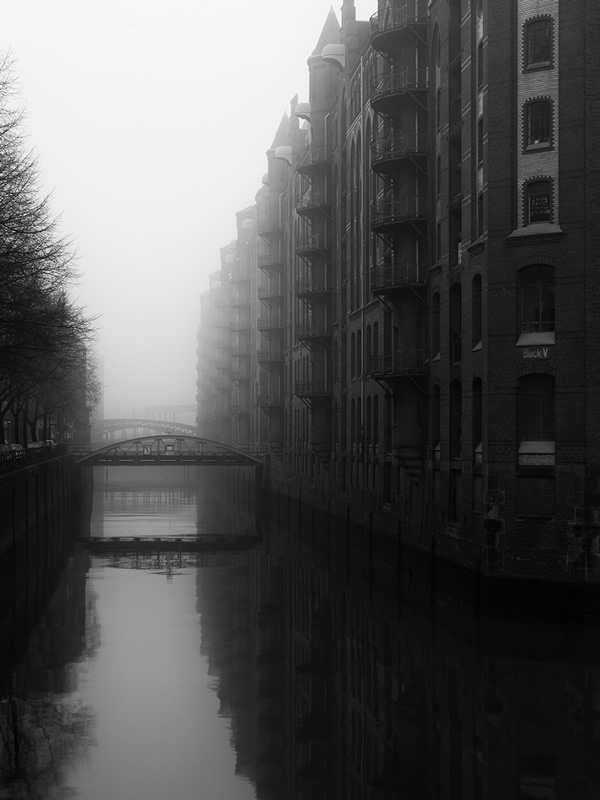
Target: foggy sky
(151, 121)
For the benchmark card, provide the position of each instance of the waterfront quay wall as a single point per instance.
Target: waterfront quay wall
(39, 518)
(397, 546)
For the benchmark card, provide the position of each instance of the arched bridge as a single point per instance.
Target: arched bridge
(169, 449)
(139, 425)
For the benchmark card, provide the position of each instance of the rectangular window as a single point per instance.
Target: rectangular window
(536, 299)
(536, 412)
(538, 123)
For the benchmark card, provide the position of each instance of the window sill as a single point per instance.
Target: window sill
(537, 231)
(537, 453)
(536, 338)
(538, 147)
(539, 65)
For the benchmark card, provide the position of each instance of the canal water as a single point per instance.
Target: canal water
(274, 672)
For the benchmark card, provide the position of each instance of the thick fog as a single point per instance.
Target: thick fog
(151, 121)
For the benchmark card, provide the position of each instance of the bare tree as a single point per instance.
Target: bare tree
(44, 338)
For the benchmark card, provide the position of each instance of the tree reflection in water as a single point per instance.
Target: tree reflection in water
(42, 722)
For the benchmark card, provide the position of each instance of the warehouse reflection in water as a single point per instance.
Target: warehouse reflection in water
(275, 673)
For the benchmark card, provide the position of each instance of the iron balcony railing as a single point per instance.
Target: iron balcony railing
(222, 384)
(313, 198)
(269, 357)
(407, 209)
(406, 79)
(313, 329)
(270, 262)
(268, 401)
(402, 145)
(391, 18)
(240, 374)
(314, 388)
(269, 292)
(239, 274)
(269, 227)
(267, 324)
(307, 244)
(316, 156)
(397, 274)
(401, 363)
(311, 285)
(239, 300)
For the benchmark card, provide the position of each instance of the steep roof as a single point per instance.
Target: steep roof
(330, 33)
(283, 133)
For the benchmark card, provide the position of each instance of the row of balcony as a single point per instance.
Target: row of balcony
(385, 275)
(405, 144)
(400, 364)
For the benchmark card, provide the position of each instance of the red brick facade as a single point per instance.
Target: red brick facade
(422, 283)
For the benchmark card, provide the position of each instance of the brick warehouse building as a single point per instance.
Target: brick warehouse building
(410, 314)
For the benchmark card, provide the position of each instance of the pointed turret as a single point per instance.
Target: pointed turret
(330, 33)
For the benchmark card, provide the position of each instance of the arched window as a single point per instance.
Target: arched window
(359, 353)
(477, 416)
(376, 420)
(368, 351)
(353, 356)
(435, 324)
(455, 419)
(368, 421)
(537, 43)
(477, 311)
(456, 323)
(536, 408)
(435, 422)
(538, 201)
(376, 364)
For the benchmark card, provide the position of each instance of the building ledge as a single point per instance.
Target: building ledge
(537, 232)
(538, 338)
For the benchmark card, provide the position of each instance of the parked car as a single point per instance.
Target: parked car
(7, 458)
(50, 443)
(18, 450)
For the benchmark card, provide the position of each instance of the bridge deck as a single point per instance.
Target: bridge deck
(183, 544)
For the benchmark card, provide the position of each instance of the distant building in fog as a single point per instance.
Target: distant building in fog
(409, 320)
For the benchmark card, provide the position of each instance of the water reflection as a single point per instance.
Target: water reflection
(275, 673)
(43, 723)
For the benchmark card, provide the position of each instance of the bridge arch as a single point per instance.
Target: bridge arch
(170, 449)
(148, 426)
